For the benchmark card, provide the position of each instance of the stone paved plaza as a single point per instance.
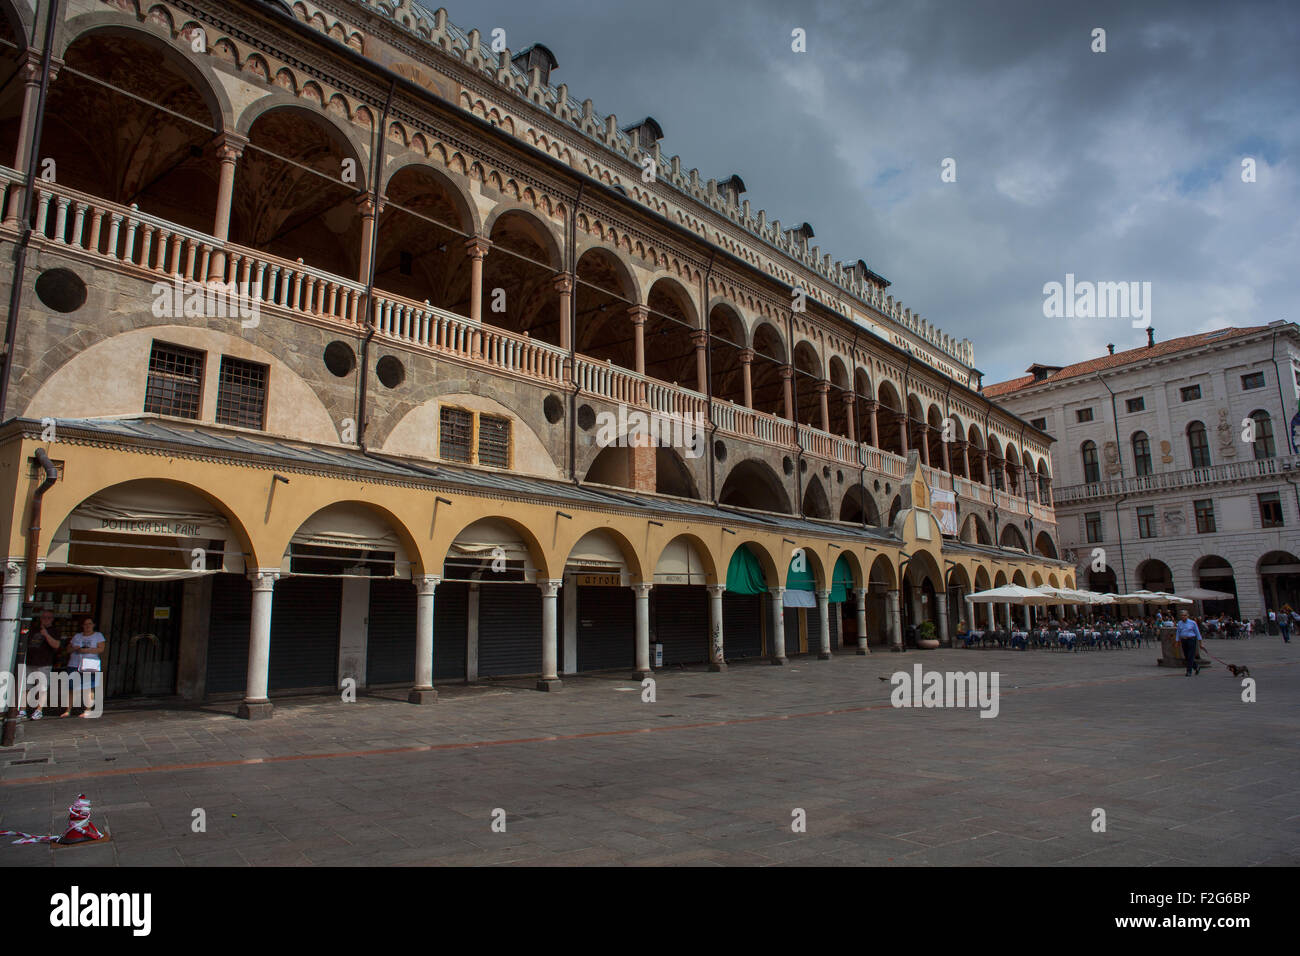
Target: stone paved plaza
(710, 773)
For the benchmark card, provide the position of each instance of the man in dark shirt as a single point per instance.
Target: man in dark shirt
(43, 642)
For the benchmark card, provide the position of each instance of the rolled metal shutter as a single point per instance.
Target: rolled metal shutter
(681, 619)
(390, 636)
(742, 625)
(606, 628)
(791, 618)
(305, 633)
(834, 611)
(450, 630)
(509, 629)
(228, 625)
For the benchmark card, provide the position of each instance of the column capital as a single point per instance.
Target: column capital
(642, 589)
(562, 283)
(850, 398)
(31, 68)
(229, 145)
(700, 337)
(823, 595)
(776, 592)
(264, 578)
(870, 404)
(787, 372)
(550, 588)
(638, 314)
(477, 247)
(367, 206)
(746, 356)
(716, 590)
(823, 387)
(860, 593)
(426, 583)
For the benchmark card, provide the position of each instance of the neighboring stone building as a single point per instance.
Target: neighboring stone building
(1179, 460)
(324, 310)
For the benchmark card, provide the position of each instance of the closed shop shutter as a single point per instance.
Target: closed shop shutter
(142, 660)
(228, 623)
(681, 619)
(835, 627)
(742, 625)
(305, 633)
(791, 617)
(390, 636)
(450, 630)
(606, 628)
(509, 629)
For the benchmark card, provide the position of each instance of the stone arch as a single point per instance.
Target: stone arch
(1012, 537)
(672, 319)
(815, 502)
(808, 377)
(301, 514)
(766, 560)
(1044, 545)
(345, 138)
(975, 530)
(420, 246)
(604, 293)
(754, 485)
(889, 429)
(1154, 575)
(702, 551)
(635, 567)
(537, 554)
(858, 506)
(523, 262)
(727, 338)
(767, 369)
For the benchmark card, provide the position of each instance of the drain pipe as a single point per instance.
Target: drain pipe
(25, 216)
(708, 381)
(794, 411)
(862, 453)
(371, 326)
(29, 588)
(572, 319)
(1119, 454)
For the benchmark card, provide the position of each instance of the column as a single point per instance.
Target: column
(31, 70)
(777, 650)
(564, 286)
(823, 398)
(11, 608)
(256, 704)
(985, 467)
(423, 692)
(850, 401)
(902, 430)
(941, 608)
(642, 592)
(896, 626)
(947, 459)
(638, 314)
(861, 595)
(824, 611)
(787, 385)
(1028, 618)
(717, 659)
(550, 679)
(229, 149)
(369, 213)
(872, 408)
(965, 458)
(924, 438)
(701, 339)
(477, 249)
(746, 363)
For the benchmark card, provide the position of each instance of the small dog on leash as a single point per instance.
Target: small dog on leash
(1239, 671)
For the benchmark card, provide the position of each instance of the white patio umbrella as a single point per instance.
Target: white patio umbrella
(1151, 597)
(1202, 594)
(1012, 594)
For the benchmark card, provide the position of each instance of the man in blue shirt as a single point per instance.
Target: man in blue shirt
(1189, 636)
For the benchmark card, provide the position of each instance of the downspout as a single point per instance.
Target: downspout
(371, 326)
(708, 380)
(1286, 422)
(29, 588)
(25, 236)
(794, 410)
(1119, 453)
(862, 454)
(572, 319)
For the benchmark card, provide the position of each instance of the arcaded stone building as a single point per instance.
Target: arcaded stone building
(325, 312)
(1179, 461)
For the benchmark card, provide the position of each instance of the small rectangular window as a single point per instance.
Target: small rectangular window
(241, 393)
(1040, 424)
(1083, 415)
(1252, 381)
(1135, 404)
(455, 434)
(1146, 522)
(1204, 516)
(1191, 393)
(1092, 521)
(175, 381)
(494, 441)
(1270, 510)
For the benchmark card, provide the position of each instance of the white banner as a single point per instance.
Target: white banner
(943, 505)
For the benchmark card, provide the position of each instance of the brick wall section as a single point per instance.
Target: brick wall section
(643, 468)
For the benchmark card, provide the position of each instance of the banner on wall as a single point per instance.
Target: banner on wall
(943, 505)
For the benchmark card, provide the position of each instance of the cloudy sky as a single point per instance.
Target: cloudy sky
(1117, 166)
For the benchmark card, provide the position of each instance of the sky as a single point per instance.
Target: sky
(1117, 166)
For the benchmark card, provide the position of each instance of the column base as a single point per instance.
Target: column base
(549, 683)
(863, 652)
(255, 709)
(895, 648)
(642, 674)
(717, 667)
(824, 656)
(422, 695)
(778, 661)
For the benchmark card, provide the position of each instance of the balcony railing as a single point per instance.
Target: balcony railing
(159, 250)
(1187, 478)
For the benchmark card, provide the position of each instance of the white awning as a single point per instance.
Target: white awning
(680, 564)
(353, 527)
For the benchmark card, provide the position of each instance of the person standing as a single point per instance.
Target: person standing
(43, 642)
(1189, 636)
(1284, 622)
(87, 660)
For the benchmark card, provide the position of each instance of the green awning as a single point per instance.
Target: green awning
(745, 574)
(841, 580)
(800, 580)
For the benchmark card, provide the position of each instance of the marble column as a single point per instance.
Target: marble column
(777, 650)
(423, 692)
(861, 595)
(564, 286)
(257, 704)
(717, 657)
(638, 314)
(700, 338)
(746, 369)
(787, 386)
(896, 625)
(550, 679)
(642, 592)
(850, 403)
(824, 613)
(941, 608)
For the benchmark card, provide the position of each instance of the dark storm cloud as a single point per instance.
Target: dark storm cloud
(1117, 166)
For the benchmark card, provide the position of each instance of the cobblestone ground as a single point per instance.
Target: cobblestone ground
(710, 773)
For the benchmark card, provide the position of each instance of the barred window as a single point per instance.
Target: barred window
(1204, 515)
(241, 393)
(494, 441)
(1146, 522)
(1270, 510)
(1092, 522)
(175, 382)
(455, 434)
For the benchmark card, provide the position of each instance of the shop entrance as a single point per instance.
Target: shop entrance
(144, 638)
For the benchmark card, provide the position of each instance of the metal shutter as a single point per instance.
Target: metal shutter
(606, 628)
(143, 650)
(509, 629)
(450, 630)
(305, 633)
(791, 617)
(681, 622)
(228, 624)
(390, 633)
(742, 625)
(834, 611)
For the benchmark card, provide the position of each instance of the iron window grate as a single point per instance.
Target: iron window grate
(455, 434)
(494, 441)
(175, 381)
(241, 393)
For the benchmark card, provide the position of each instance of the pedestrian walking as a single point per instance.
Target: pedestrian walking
(1284, 621)
(1189, 636)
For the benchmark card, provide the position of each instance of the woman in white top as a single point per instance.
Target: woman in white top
(87, 646)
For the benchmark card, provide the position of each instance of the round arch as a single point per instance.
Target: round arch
(536, 553)
(697, 546)
(302, 517)
(754, 485)
(594, 536)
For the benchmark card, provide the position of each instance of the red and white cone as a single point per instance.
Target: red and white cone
(80, 829)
